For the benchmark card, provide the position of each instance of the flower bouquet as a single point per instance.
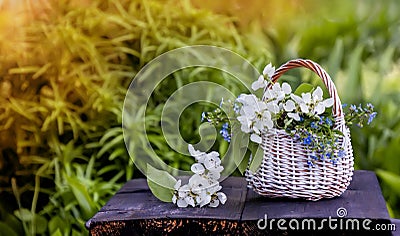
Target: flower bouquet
(305, 141)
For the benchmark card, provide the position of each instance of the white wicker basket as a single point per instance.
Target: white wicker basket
(284, 171)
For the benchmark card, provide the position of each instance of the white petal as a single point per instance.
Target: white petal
(197, 181)
(260, 83)
(197, 168)
(245, 128)
(268, 94)
(213, 154)
(289, 105)
(214, 203)
(246, 99)
(183, 191)
(273, 107)
(276, 87)
(304, 108)
(296, 98)
(214, 188)
(222, 197)
(266, 115)
(177, 184)
(211, 162)
(205, 200)
(317, 94)
(319, 109)
(258, 126)
(306, 97)
(328, 102)
(181, 203)
(280, 96)
(174, 198)
(294, 116)
(255, 138)
(215, 174)
(260, 105)
(189, 200)
(269, 70)
(249, 111)
(193, 152)
(269, 124)
(286, 88)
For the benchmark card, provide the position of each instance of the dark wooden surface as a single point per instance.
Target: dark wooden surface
(135, 211)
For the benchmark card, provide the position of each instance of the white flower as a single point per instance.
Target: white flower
(245, 123)
(203, 184)
(304, 101)
(197, 168)
(212, 162)
(198, 155)
(294, 116)
(247, 99)
(263, 122)
(289, 106)
(196, 181)
(273, 107)
(183, 191)
(189, 200)
(277, 92)
(221, 197)
(269, 70)
(259, 83)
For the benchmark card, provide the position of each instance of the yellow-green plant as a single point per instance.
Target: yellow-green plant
(61, 152)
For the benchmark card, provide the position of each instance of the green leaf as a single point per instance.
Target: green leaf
(82, 196)
(391, 179)
(57, 233)
(24, 214)
(6, 230)
(239, 143)
(335, 58)
(244, 163)
(258, 155)
(161, 183)
(39, 221)
(40, 224)
(303, 88)
(57, 224)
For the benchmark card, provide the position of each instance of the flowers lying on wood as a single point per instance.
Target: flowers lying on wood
(303, 114)
(203, 187)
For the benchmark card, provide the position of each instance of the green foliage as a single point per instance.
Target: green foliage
(62, 95)
(164, 188)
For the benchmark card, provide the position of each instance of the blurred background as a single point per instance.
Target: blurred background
(65, 67)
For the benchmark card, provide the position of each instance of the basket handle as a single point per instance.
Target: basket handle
(337, 106)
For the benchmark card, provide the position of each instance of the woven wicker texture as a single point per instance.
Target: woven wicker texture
(284, 171)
